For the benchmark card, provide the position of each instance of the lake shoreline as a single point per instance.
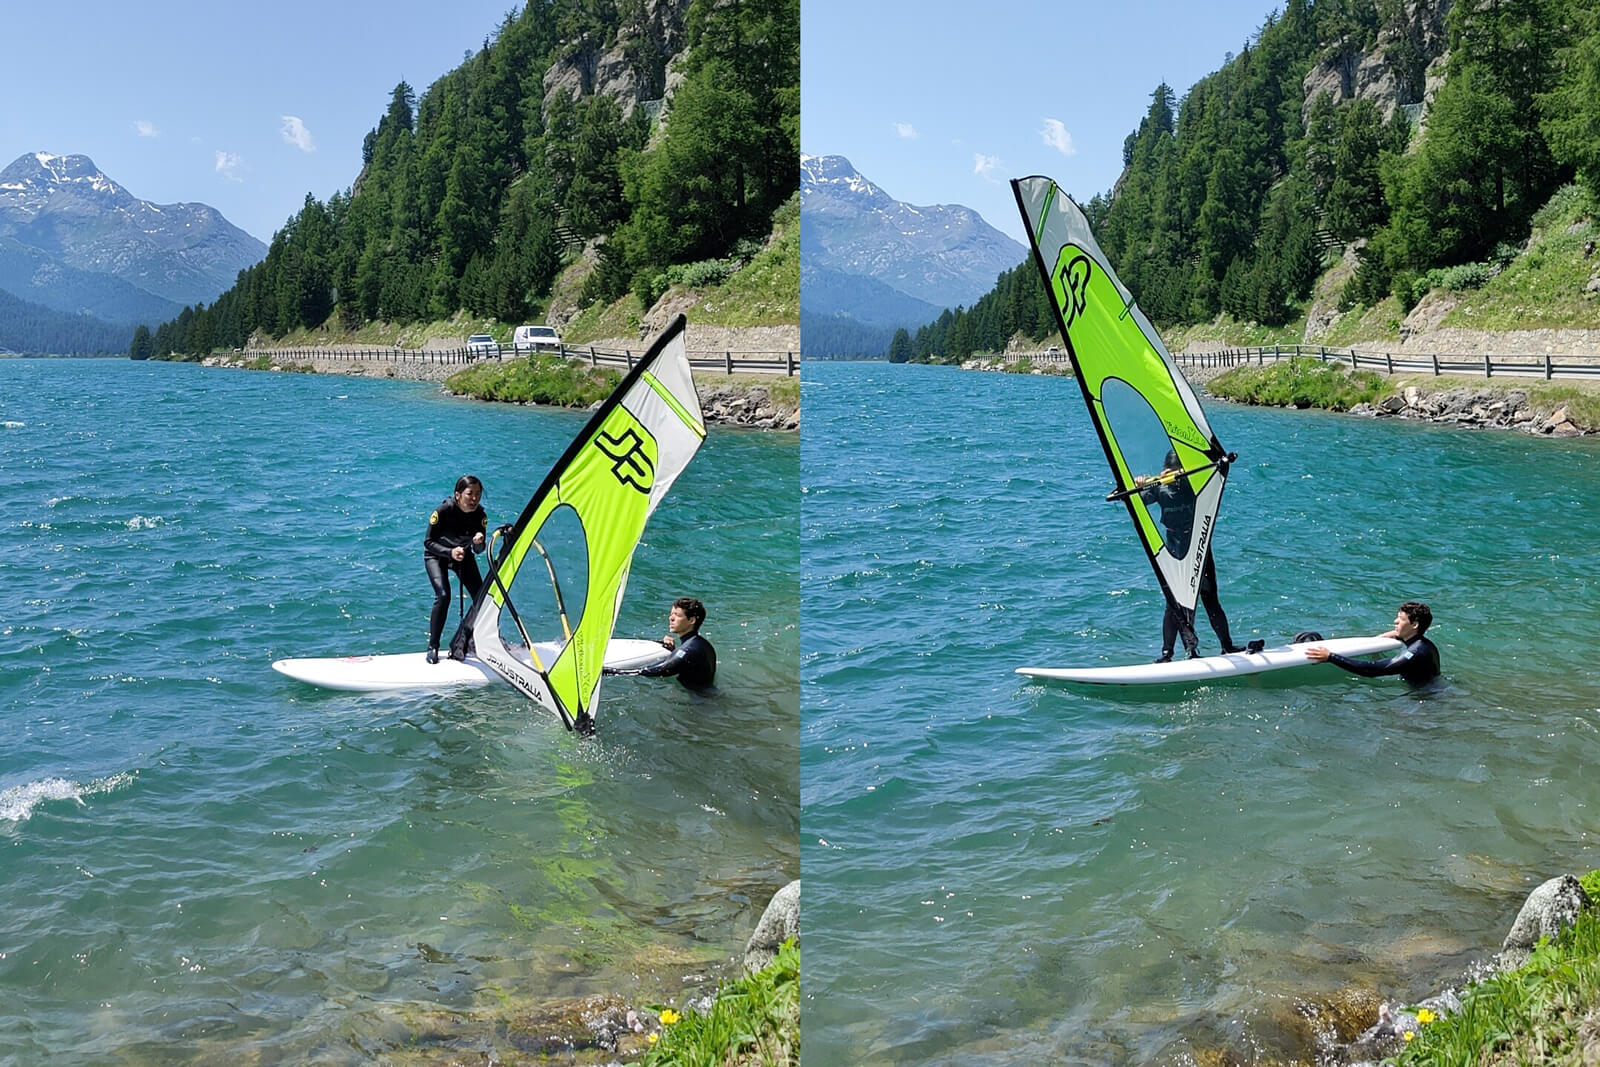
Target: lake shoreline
(1489, 404)
(743, 400)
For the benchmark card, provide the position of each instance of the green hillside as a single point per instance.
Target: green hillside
(476, 199)
(1236, 203)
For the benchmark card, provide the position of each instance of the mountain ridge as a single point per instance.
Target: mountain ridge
(870, 263)
(75, 241)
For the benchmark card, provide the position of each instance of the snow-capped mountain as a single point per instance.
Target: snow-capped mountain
(74, 240)
(945, 255)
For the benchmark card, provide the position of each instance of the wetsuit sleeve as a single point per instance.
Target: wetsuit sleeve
(432, 545)
(667, 667)
(1398, 663)
(1371, 668)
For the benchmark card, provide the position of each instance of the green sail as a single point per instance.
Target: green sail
(609, 480)
(1140, 404)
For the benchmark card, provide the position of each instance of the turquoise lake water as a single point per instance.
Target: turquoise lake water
(202, 860)
(1005, 872)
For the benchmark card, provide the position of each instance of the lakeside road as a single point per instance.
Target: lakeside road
(755, 401)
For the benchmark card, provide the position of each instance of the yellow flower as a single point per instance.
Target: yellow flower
(1409, 1035)
(668, 1017)
(654, 1038)
(1424, 1016)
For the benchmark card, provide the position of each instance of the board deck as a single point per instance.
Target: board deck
(411, 670)
(1211, 668)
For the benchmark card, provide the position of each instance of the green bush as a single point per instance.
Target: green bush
(1299, 383)
(1568, 203)
(1462, 277)
(536, 379)
(703, 274)
(1408, 289)
(648, 285)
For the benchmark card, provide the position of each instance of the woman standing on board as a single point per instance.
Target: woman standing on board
(1173, 494)
(456, 530)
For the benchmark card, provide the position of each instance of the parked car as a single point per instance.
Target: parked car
(481, 344)
(536, 338)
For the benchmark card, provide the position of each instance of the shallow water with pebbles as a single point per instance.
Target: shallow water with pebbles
(1003, 872)
(201, 859)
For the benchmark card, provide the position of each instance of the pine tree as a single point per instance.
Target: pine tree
(143, 345)
(900, 350)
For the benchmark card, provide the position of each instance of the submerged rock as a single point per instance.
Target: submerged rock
(603, 1022)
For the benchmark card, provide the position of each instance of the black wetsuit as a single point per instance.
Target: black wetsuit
(1176, 500)
(1177, 620)
(694, 662)
(449, 527)
(1417, 663)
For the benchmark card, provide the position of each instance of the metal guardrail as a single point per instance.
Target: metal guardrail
(1527, 366)
(727, 361)
(1521, 365)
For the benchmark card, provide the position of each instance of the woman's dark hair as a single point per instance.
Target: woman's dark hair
(466, 480)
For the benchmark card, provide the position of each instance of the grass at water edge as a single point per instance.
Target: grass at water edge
(755, 1020)
(1545, 1012)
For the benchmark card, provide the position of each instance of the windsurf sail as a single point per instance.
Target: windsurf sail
(1147, 416)
(609, 480)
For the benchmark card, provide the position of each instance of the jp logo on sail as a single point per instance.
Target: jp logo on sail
(630, 462)
(1071, 283)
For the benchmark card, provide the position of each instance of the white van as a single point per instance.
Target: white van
(535, 338)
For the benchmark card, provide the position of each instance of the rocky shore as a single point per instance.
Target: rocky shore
(1510, 409)
(1548, 910)
(1498, 405)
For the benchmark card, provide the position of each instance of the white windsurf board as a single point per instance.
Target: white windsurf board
(411, 670)
(1212, 668)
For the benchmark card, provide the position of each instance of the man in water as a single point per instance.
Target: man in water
(1417, 663)
(693, 660)
(455, 531)
(1172, 493)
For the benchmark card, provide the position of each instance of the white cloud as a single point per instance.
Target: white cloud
(1054, 133)
(906, 130)
(986, 167)
(295, 132)
(145, 128)
(228, 164)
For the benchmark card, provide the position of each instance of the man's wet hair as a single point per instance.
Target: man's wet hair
(1419, 613)
(692, 608)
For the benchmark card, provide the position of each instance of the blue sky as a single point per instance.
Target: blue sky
(246, 107)
(940, 102)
